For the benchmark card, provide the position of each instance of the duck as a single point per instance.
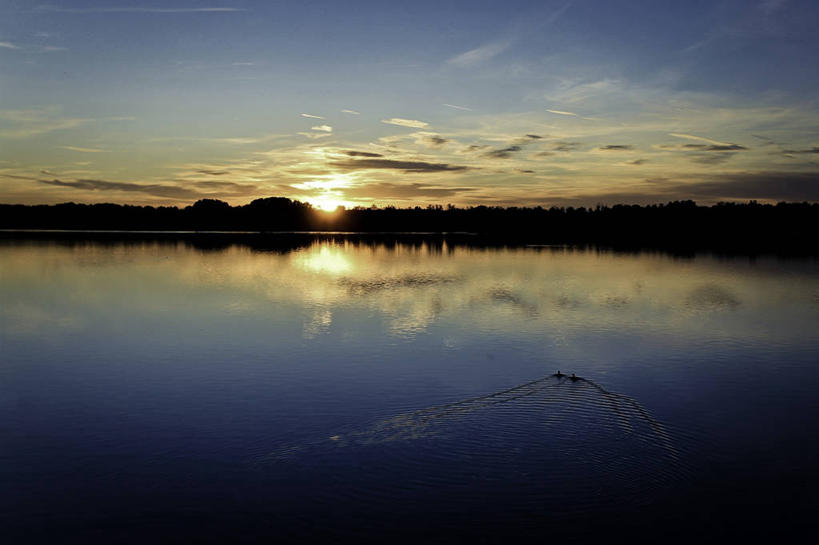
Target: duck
(559, 374)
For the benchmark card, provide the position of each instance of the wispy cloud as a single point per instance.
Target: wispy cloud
(322, 128)
(157, 190)
(388, 190)
(565, 146)
(455, 106)
(83, 150)
(311, 116)
(616, 147)
(561, 112)
(404, 166)
(29, 123)
(354, 153)
(351, 112)
(435, 140)
(479, 54)
(28, 48)
(412, 123)
(504, 153)
(59, 9)
(169, 191)
(237, 140)
(813, 150)
(315, 135)
(705, 147)
(700, 138)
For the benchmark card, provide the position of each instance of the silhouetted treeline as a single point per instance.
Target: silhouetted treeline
(750, 226)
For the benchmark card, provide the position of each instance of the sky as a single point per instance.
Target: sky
(360, 103)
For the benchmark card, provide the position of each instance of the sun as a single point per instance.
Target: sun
(330, 188)
(327, 203)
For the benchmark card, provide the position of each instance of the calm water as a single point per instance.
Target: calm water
(164, 393)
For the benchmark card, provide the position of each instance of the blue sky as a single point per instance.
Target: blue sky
(359, 103)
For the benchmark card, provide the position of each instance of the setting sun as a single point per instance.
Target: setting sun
(327, 203)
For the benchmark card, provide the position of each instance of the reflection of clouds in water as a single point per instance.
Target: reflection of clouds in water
(616, 301)
(405, 289)
(411, 322)
(318, 324)
(567, 302)
(25, 319)
(380, 283)
(506, 296)
(711, 297)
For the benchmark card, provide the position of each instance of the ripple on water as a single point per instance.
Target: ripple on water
(569, 445)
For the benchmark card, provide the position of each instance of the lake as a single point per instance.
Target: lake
(403, 389)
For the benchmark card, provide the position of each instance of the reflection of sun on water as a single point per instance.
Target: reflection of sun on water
(325, 259)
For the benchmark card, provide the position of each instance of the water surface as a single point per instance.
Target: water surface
(372, 391)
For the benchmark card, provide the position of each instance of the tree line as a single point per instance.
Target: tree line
(739, 226)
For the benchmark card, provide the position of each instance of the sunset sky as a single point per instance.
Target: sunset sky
(568, 102)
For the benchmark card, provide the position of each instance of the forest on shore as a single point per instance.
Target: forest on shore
(726, 225)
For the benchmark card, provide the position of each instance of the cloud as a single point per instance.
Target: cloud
(739, 186)
(637, 162)
(565, 146)
(353, 153)
(322, 128)
(315, 135)
(710, 158)
(387, 190)
(405, 166)
(700, 138)
(351, 112)
(35, 122)
(228, 188)
(157, 190)
(226, 140)
(504, 153)
(703, 147)
(561, 112)
(435, 140)
(210, 172)
(8, 45)
(58, 9)
(526, 139)
(479, 54)
(222, 189)
(83, 150)
(311, 116)
(412, 123)
(814, 149)
(455, 106)
(616, 147)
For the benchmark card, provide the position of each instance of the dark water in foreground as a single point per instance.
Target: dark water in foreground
(162, 393)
